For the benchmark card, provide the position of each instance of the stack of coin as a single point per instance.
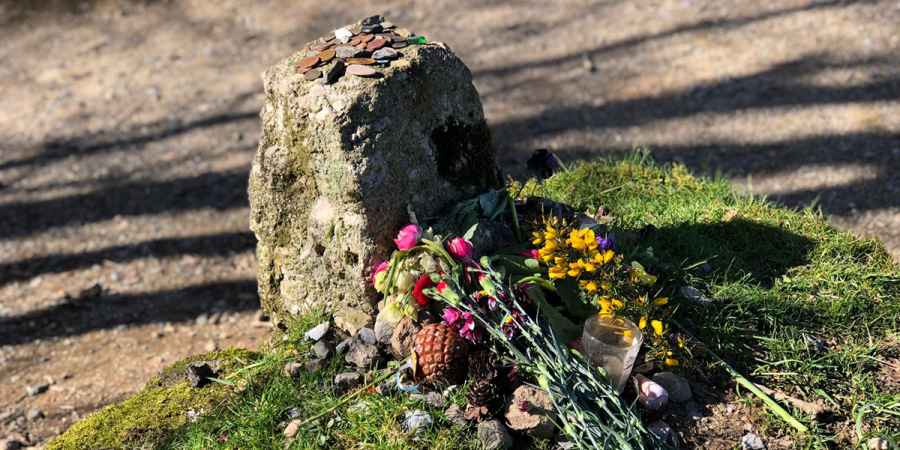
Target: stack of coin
(360, 50)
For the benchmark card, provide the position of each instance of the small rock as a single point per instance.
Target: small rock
(416, 421)
(211, 346)
(384, 327)
(335, 71)
(661, 429)
(202, 319)
(678, 388)
(535, 420)
(343, 382)
(292, 369)
(751, 441)
(455, 415)
(361, 355)
(693, 294)
(653, 396)
(346, 51)
(343, 346)
(403, 337)
(292, 428)
(199, 373)
(494, 436)
(321, 349)
(350, 320)
(11, 444)
(360, 407)
(385, 53)
(877, 443)
(367, 336)
(318, 332)
(343, 35)
(37, 389)
(34, 414)
(294, 412)
(314, 365)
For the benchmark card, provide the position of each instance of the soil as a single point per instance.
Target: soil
(128, 128)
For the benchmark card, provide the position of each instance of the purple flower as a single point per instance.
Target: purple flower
(605, 242)
(468, 330)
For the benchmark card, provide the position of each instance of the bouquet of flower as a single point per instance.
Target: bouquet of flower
(522, 307)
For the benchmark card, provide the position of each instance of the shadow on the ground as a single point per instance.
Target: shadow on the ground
(206, 245)
(107, 311)
(733, 250)
(214, 190)
(779, 87)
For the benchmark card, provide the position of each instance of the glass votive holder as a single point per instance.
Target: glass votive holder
(613, 344)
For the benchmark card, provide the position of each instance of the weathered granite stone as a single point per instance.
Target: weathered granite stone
(340, 165)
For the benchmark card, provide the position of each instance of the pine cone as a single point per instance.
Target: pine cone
(484, 389)
(440, 355)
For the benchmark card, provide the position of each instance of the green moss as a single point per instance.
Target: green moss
(148, 418)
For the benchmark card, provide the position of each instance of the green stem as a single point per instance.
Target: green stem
(743, 381)
(346, 399)
(515, 216)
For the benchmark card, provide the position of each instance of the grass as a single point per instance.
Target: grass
(796, 306)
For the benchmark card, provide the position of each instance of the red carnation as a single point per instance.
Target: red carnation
(422, 283)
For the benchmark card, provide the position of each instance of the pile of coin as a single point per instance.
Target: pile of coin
(360, 50)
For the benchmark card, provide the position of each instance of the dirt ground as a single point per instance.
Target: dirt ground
(127, 128)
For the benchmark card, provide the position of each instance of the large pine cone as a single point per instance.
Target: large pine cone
(440, 355)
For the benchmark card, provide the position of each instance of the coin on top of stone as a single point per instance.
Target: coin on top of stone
(345, 51)
(398, 45)
(307, 63)
(375, 44)
(360, 61)
(361, 71)
(372, 20)
(385, 53)
(327, 55)
(312, 74)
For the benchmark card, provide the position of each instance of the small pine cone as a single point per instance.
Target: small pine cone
(440, 355)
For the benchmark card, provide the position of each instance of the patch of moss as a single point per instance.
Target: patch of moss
(148, 419)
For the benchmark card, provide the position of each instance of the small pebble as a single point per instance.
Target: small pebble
(321, 350)
(34, 414)
(416, 421)
(37, 389)
(367, 336)
(317, 332)
(751, 441)
(292, 369)
(877, 443)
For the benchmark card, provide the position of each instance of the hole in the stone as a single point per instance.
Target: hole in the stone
(463, 151)
(320, 249)
(351, 258)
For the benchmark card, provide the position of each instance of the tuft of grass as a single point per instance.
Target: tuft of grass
(257, 418)
(797, 305)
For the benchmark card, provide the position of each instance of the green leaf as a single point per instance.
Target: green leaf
(570, 294)
(470, 232)
(532, 264)
(564, 328)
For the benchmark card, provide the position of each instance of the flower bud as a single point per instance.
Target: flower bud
(460, 248)
(408, 237)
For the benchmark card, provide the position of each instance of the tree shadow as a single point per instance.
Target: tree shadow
(739, 249)
(107, 311)
(206, 245)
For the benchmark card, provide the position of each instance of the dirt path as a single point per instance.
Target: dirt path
(127, 129)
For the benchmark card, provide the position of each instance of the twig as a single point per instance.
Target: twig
(813, 409)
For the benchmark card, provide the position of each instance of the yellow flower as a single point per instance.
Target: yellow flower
(657, 327)
(537, 237)
(550, 232)
(574, 269)
(589, 286)
(557, 272)
(609, 305)
(643, 322)
(603, 258)
(583, 239)
(671, 362)
(587, 265)
(661, 301)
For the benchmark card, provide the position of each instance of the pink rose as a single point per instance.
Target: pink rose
(408, 237)
(460, 248)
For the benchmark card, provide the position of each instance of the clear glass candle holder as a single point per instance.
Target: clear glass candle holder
(613, 344)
